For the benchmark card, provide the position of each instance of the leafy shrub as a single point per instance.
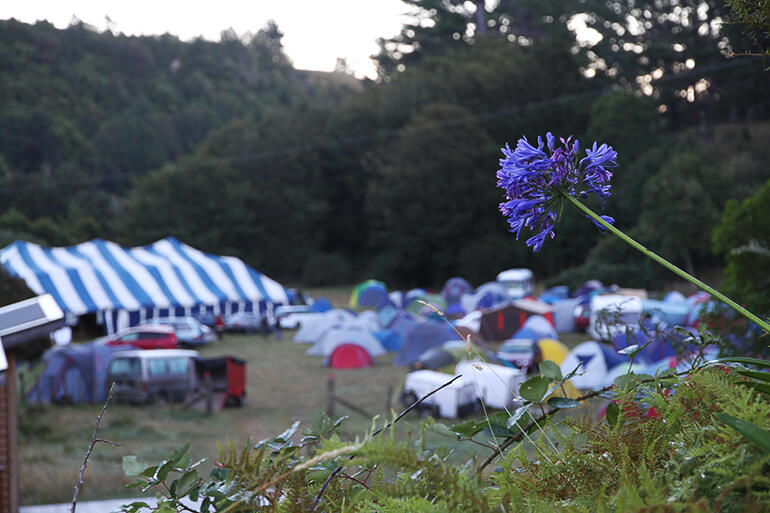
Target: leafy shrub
(698, 442)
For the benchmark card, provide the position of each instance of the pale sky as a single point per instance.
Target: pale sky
(316, 32)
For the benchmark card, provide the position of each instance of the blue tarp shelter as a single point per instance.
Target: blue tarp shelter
(76, 373)
(124, 286)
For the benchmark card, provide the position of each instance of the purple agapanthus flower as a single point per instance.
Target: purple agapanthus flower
(536, 180)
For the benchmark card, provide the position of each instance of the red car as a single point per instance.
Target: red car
(146, 337)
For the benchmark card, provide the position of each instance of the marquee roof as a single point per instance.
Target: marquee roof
(102, 275)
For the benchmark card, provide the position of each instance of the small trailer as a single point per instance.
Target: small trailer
(226, 378)
(456, 400)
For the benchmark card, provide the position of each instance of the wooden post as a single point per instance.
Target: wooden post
(23, 386)
(9, 450)
(330, 404)
(208, 387)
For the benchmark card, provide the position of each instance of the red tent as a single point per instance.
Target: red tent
(350, 356)
(502, 322)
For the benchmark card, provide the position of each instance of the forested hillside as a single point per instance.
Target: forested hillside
(318, 181)
(83, 113)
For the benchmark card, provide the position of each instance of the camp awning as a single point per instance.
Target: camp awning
(100, 275)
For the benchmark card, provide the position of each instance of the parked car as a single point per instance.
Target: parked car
(298, 297)
(153, 376)
(582, 314)
(292, 316)
(145, 337)
(247, 322)
(189, 330)
(207, 318)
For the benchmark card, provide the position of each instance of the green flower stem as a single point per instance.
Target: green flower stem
(671, 267)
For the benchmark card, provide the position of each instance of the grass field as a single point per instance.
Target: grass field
(284, 386)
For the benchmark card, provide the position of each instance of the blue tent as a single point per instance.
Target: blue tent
(455, 310)
(321, 305)
(373, 296)
(554, 294)
(454, 288)
(526, 334)
(421, 337)
(403, 323)
(593, 360)
(671, 312)
(124, 286)
(75, 373)
(387, 315)
(661, 343)
(389, 339)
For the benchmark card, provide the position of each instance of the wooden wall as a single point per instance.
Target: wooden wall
(9, 451)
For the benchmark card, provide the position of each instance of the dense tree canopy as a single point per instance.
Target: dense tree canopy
(321, 178)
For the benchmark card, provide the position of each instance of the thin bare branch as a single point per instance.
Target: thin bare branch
(94, 441)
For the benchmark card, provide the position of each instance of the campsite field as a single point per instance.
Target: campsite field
(284, 386)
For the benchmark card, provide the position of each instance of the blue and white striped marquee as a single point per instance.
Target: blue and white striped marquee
(125, 286)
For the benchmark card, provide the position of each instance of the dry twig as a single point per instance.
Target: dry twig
(94, 441)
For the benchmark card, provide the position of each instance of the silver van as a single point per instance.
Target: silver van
(159, 375)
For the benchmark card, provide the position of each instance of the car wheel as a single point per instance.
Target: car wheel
(408, 399)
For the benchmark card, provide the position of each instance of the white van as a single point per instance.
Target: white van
(518, 282)
(160, 375)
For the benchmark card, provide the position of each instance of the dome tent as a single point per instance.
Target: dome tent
(454, 288)
(352, 334)
(420, 338)
(350, 356)
(369, 293)
(313, 328)
(551, 349)
(540, 326)
(593, 361)
(75, 373)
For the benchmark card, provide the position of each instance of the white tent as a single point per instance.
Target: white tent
(541, 327)
(564, 314)
(370, 319)
(593, 360)
(346, 334)
(313, 328)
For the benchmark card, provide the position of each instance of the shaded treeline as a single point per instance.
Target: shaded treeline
(319, 179)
